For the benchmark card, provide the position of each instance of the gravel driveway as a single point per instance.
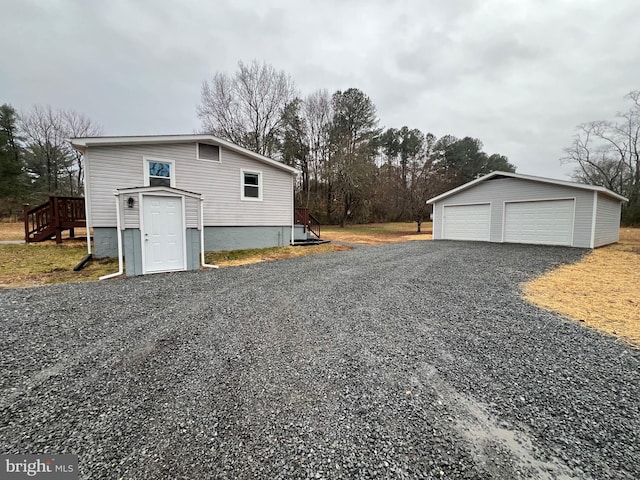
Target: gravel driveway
(414, 360)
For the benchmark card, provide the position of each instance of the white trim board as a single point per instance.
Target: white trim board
(532, 178)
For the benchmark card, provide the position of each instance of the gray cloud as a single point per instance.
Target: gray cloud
(519, 75)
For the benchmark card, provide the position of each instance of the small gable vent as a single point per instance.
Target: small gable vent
(208, 152)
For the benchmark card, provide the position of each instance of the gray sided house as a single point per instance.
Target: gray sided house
(172, 197)
(513, 208)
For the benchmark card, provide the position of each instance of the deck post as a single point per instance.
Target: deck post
(25, 210)
(55, 203)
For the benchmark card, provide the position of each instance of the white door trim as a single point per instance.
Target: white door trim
(142, 230)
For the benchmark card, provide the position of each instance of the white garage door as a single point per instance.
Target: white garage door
(548, 222)
(466, 222)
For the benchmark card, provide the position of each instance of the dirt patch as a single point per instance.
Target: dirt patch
(601, 290)
(377, 233)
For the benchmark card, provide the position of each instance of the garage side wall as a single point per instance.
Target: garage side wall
(607, 221)
(501, 190)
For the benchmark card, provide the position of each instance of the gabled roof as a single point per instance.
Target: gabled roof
(82, 143)
(156, 188)
(532, 178)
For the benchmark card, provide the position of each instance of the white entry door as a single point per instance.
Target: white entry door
(466, 222)
(548, 222)
(163, 234)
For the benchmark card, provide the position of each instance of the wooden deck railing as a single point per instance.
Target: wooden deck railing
(53, 217)
(307, 220)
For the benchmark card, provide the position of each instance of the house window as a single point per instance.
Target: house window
(159, 173)
(208, 152)
(251, 185)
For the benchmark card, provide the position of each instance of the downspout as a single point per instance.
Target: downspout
(86, 201)
(120, 262)
(293, 210)
(204, 263)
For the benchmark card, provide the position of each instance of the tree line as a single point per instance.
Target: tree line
(36, 160)
(352, 170)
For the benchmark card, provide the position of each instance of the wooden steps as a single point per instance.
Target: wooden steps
(50, 219)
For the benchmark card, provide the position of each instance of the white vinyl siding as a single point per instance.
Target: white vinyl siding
(607, 228)
(192, 212)
(547, 222)
(115, 167)
(130, 216)
(466, 222)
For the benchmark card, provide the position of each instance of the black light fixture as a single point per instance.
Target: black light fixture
(130, 202)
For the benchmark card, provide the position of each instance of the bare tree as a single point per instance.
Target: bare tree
(607, 153)
(318, 114)
(74, 125)
(247, 108)
(45, 141)
(52, 163)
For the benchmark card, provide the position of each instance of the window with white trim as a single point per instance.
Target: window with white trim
(159, 173)
(251, 185)
(208, 152)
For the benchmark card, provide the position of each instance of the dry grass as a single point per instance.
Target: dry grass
(235, 258)
(28, 265)
(377, 233)
(15, 231)
(601, 290)
(11, 231)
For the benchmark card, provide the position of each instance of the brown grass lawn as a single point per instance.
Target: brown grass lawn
(28, 265)
(11, 231)
(603, 290)
(15, 231)
(377, 233)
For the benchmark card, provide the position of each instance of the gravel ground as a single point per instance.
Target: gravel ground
(414, 360)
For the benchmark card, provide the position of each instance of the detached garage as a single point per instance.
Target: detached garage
(514, 208)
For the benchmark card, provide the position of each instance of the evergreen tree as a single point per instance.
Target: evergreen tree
(13, 180)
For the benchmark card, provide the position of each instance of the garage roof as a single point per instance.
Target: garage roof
(532, 178)
(82, 143)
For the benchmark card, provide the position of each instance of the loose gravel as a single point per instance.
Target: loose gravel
(414, 360)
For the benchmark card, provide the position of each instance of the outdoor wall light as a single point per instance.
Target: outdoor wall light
(130, 202)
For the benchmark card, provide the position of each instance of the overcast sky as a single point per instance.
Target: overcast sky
(519, 75)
